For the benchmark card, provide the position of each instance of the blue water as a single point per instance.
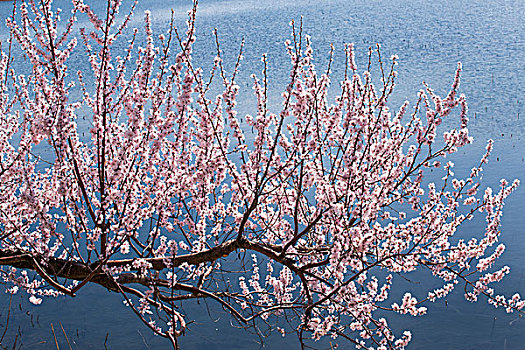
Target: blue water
(487, 36)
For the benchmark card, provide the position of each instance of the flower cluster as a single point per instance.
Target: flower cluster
(168, 194)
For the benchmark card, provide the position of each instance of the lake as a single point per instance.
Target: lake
(487, 36)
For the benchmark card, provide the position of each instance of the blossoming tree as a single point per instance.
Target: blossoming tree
(310, 211)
